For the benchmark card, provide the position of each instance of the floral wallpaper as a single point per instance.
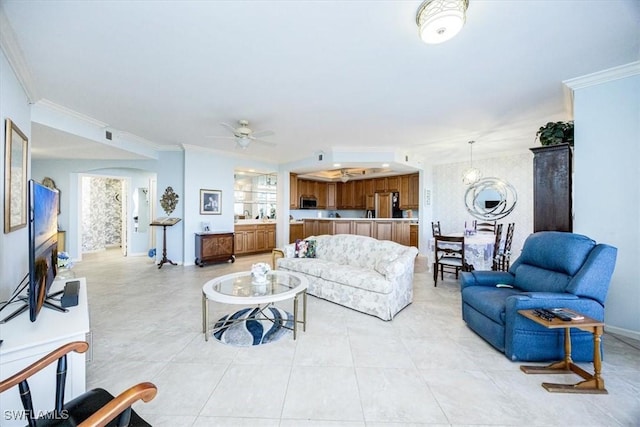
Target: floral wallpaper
(449, 191)
(101, 213)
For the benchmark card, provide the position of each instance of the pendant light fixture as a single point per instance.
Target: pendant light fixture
(441, 20)
(471, 175)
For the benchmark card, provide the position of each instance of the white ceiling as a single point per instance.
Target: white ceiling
(323, 75)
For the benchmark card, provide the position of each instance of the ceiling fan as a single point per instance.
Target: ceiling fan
(345, 174)
(244, 135)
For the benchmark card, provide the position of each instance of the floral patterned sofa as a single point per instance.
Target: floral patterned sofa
(365, 274)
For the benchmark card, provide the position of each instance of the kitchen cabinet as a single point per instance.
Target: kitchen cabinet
(306, 188)
(296, 232)
(345, 192)
(310, 228)
(371, 202)
(254, 238)
(384, 205)
(399, 231)
(363, 228)
(214, 247)
(414, 235)
(332, 195)
(409, 191)
(383, 230)
(369, 186)
(414, 191)
(358, 200)
(380, 185)
(294, 199)
(552, 205)
(393, 183)
(321, 194)
(341, 227)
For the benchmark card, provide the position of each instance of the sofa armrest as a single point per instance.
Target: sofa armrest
(287, 251)
(398, 266)
(485, 278)
(275, 254)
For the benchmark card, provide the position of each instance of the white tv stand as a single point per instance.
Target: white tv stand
(25, 342)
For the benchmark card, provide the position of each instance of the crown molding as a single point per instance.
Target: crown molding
(67, 112)
(12, 51)
(603, 76)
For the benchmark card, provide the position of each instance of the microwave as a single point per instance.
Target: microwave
(308, 203)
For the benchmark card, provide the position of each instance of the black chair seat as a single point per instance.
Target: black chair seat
(85, 405)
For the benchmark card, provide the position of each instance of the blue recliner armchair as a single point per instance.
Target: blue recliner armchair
(555, 269)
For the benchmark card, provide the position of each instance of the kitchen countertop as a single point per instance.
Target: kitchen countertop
(301, 221)
(414, 220)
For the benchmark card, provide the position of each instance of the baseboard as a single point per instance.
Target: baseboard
(624, 332)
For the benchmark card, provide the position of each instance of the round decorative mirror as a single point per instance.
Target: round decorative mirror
(490, 199)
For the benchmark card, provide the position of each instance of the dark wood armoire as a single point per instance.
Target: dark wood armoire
(552, 193)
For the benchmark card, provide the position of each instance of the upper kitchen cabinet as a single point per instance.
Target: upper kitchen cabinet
(410, 191)
(294, 200)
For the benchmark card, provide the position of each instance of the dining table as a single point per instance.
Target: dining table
(478, 250)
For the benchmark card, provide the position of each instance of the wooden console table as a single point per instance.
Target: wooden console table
(592, 383)
(165, 222)
(214, 247)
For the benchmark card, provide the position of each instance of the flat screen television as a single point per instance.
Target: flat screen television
(43, 244)
(43, 253)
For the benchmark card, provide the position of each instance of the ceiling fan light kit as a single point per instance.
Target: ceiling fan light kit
(440, 20)
(244, 135)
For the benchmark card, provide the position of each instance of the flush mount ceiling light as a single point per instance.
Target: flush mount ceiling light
(441, 20)
(471, 175)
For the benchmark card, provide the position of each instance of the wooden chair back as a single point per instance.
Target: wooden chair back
(435, 228)
(448, 255)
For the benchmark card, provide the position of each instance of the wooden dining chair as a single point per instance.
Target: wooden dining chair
(94, 408)
(448, 255)
(435, 228)
(489, 226)
(495, 266)
(504, 257)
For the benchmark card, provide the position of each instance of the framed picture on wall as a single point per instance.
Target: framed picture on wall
(210, 202)
(15, 178)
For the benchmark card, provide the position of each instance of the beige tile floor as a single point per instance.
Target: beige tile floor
(348, 369)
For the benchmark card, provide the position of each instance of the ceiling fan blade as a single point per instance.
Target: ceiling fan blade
(262, 141)
(229, 127)
(220, 137)
(263, 133)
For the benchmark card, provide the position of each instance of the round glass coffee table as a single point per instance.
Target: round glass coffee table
(239, 288)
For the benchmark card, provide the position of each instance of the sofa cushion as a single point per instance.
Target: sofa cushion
(568, 255)
(384, 263)
(310, 266)
(532, 278)
(356, 277)
(489, 301)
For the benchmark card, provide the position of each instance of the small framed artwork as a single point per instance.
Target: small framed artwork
(210, 202)
(15, 178)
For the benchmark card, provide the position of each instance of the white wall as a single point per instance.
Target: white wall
(66, 174)
(212, 171)
(607, 186)
(449, 191)
(14, 246)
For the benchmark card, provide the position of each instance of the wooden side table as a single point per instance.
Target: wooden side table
(165, 222)
(593, 383)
